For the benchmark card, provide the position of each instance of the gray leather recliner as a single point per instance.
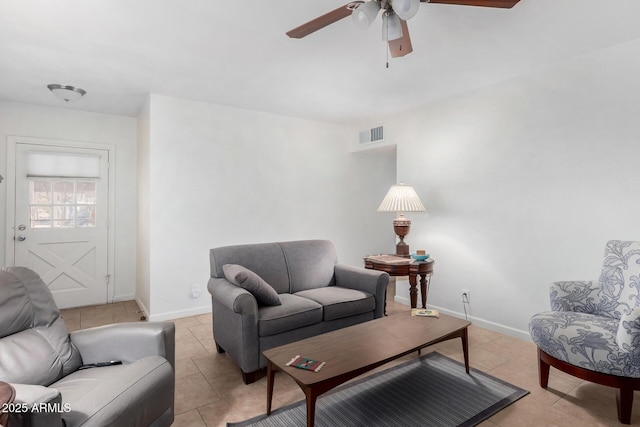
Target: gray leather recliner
(41, 360)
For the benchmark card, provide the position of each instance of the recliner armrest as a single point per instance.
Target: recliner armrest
(126, 342)
(36, 406)
(372, 281)
(577, 296)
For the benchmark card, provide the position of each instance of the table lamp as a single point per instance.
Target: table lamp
(401, 198)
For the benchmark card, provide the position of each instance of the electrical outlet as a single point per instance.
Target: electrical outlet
(195, 291)
(466, 295)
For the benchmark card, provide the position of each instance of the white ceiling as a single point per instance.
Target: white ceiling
(236, 53)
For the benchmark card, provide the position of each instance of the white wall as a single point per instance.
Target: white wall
(34, 121)
(143, 263)
(222, 176)
(524, 182)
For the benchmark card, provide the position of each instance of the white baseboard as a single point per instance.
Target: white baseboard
(170, 315)
(125, 297)
(144, 309)
(487, 324)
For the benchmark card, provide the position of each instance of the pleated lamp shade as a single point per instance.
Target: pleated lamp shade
(401, 198)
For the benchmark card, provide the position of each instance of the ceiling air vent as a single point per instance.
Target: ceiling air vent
(372, 135)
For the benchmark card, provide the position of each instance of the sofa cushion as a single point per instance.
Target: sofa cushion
(311, 263)
(295, 312)
(338, 302)
(247, 279)
(584, 340)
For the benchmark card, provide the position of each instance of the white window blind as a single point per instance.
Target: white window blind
(64, 165)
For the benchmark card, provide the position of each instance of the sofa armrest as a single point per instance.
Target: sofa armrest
(126, 342)
(235, 323)
(577, 296)
(37, 406)
(372, 281)
(233, 297)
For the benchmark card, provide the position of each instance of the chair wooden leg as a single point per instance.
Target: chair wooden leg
(624, 398)
(543, 371)
(219, 349)
(625, 385)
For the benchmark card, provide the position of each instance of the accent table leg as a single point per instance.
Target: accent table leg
(413, 289)
(423, 289)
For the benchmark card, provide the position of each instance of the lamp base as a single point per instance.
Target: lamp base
(401, 226)
(402, 249)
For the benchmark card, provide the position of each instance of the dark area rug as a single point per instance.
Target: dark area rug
(432, 390)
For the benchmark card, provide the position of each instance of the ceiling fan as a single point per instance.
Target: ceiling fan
(395, 14)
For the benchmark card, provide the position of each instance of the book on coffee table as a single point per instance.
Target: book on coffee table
(305, 363)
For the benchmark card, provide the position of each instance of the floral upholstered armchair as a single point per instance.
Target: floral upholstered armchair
(593, 330)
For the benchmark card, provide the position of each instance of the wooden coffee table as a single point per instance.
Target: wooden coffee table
(358, 349)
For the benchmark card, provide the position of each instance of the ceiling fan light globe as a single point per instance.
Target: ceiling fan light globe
(405, 9)
(365, 14)
(391, 27)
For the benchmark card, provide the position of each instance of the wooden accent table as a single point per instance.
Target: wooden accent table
(7, 394)
(353, 351)
(410, 268)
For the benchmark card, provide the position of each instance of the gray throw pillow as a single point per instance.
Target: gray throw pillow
(247, 279)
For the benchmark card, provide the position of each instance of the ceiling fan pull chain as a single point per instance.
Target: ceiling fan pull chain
(386, 43)
(386, 49)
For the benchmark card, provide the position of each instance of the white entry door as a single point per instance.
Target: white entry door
(61, 220)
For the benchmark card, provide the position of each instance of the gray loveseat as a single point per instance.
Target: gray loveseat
(315, 293)
(43, 363)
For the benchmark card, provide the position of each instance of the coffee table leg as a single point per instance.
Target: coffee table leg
(311, 406)
(271, 376)
(465, 348)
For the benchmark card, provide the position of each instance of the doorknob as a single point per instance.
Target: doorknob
(21, 238)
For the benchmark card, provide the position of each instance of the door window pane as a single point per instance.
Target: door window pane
(86, 193)
(40, 216)
(85, 216)
(63, 192)
(40, 192)
(63, 216)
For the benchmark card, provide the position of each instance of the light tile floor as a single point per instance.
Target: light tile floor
(210, 391)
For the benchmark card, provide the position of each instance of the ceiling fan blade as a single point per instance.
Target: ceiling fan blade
(402, 46)
(323, 20)
(507, 4)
